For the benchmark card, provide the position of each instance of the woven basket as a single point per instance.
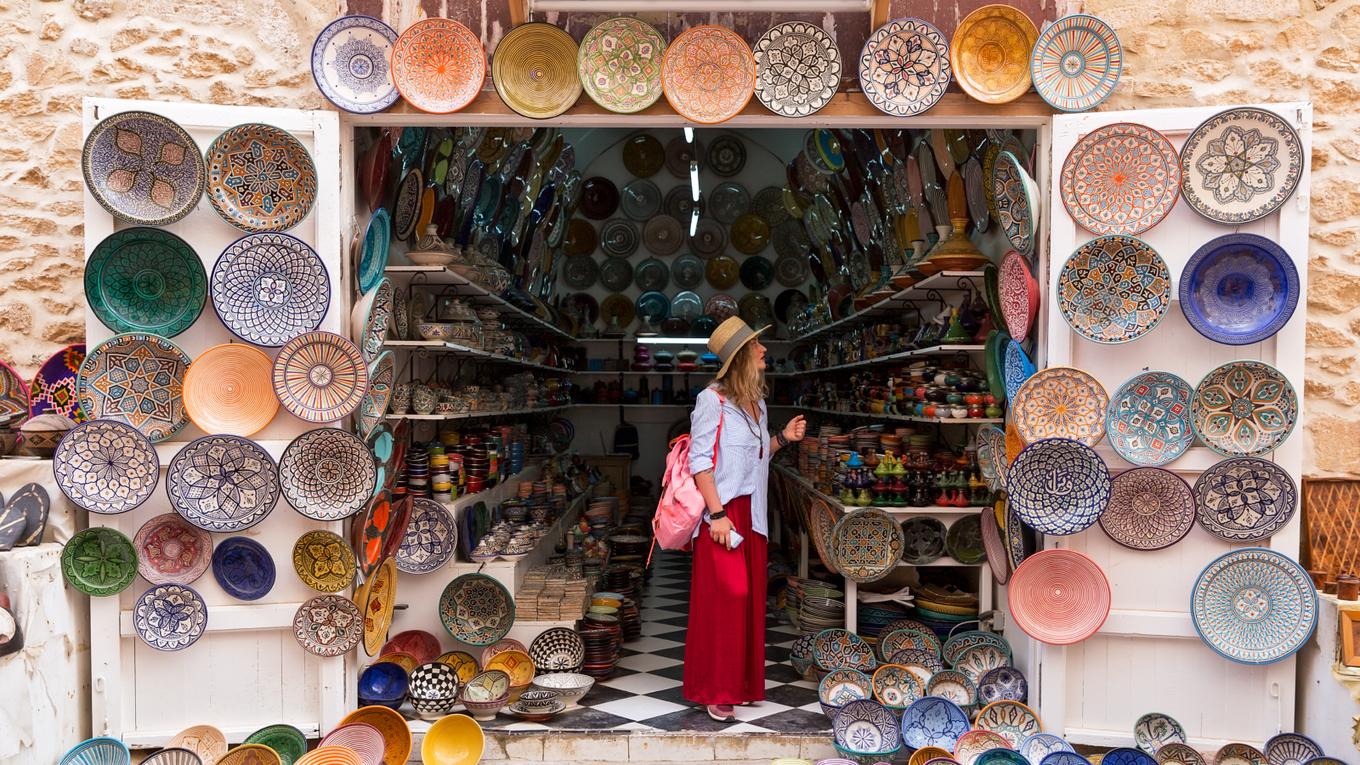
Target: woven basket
(1331, 516)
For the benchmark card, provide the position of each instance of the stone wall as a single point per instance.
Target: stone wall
(53, 53)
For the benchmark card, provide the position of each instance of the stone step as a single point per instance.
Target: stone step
(607, 747)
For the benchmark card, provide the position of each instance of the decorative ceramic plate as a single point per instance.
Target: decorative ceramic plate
(933, 721)
(377, 599)
(1155, 730)
(106, 467)
(1002, 684)
(798, 68)
(97, 751)
(1012, 720)
(1016, 369)
(1148, 421)
(430, 540)
(866, 726)
(476, 609)
(976, 742)
(288, 742)
(837, 648)
(952, 685)
(323, 561)
(251, 754)
(406, 206)
(1245, 499)
(328, 625)
(222, 483)
(373, 407)
(640, 200)
(54, 387)
(620, 64)
(1176, 754)
(207, 742)
(1241, 165)
(320, 376)
(1017, 201)
(177, 756)
(1061, 402)
(1239, 289)
(1114, 289)
(822, 519)
(663, 235)
(1040, 745)
(269, 288)
(1149, 509)
(990, 53)
(599, 198)
(1058, 486)
(1126, 756)
(513, 662)
(145, 280)
(963, 542)
(350, 64)
(839, 687)
(923, 540)
(260, 178)
(726, 155)
(327, 474)
(904, 67)
(1019, 294)
(170, 551)
(1120, 179)
(1291, 749)
(1254, 606)
(708, 74)
(14, 398)
(557, 649)
(1244, 409)
(994, 545)
(892, 642)
(1239, 754)
(895, 686)
(243, 568)
(99, 561)
(395, 731)
(229, 389)
(1017, 546)
(363, 738)
(1059, 597)
(1076, 64)
(369, 319)
(136, 379)
(438, 65)
(170, 617)
(868, 544)
(143, 168)
(374, 250)
(619, 238)
(534, 70)
(953, 649)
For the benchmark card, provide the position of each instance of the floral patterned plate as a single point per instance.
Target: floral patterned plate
(1061, 402)
(1241, 165)
(170, 617)
(1148, 420)
(106, 467)
(1002, 684)
(1245, 499)
(269, 288)
(990, 53)
(904, 67)
(1155, 730)
(1120, 179)
(328, 625)
(1076, 63)
(620, 64)
(99, 561)
(1114, 289)
(476, 609)
(708, 74)
(222, 483)
(438, 65)
(1149, 509)
(327, 474)
(143, 168)
(136, 379)
(430, 540)
(323, 561)
(170, 551)
(350, 64)
(1017, 202)
(260, 178)
(1254, 606)
(798, 68)
(1244, 409)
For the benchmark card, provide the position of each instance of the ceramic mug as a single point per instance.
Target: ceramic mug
(401, 398)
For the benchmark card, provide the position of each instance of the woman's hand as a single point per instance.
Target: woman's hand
(719, 530)
(796, 429)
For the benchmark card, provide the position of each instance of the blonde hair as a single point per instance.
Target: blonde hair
(744, 382)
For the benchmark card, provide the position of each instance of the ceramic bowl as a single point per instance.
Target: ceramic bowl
(383, 682)
(433, 709)
(570, 687)
(98, 751)
(538, 700)
(485, 710)
(436, 330)
(866, 758)
(430, 258)
(454, 740)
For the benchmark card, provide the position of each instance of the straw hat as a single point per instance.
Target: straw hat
(729, 338)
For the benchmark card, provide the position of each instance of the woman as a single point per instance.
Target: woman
(725, 639)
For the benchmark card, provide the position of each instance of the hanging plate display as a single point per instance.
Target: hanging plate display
(1061, 402)
(726, 155)
(663, 235)
(323, 561)
(1245, 499)
(687, 271)
(54, 389)
(619, 238)
(328, 625)
(994, 545)
(1076, 63)
(350, 64)
(1241, 165)
(708, 74)
(381, 377)
(376, 600)
(1291, 749)
(1016, 369)
(653, 306)
(1019, 295)
(651, 274)
(599, 198)
(798, 68)
(1254, 606)
(1149, 509)
(1120, 179)
(580, 238)
(320, 376)
(1244, 409)
(580, 272)
(145, 280)
(1059, 597)
(170, 551)
(243, 568)
(990, 53)
(1239, 289)
(1017, 201)
(1155, 730)
(750, 234)
(269, 288)
(476, 609)
(640, 200)
(222, 483)
(1017, 548)
(260, 178)
(136, 379)
(615, 274)
(1148, 421)
(620, 64)
(369, 319)
(1012, 720)
(406, 206)
(430, 540)
(904, 67)
(438, 65)
(106, 467)
(722, 272)
(99, 561)
(143, 168)
(1114, 289)
(534, 70)
(618, 309)
(229, 389)
(373, 255)
(170, 617)
(868, 545)
(14, 398)
(327, 474)
(1058, 486)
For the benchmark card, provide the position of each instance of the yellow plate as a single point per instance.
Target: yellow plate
(990, 53)
(323, 561)
(453, 740)
(463, 663)
(375, 601)
(516, 664)
(395, 732)
(534, 70)
(250, 754)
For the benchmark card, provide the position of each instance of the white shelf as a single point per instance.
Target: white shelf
(930, 510)
(942, 282)
(454, 349)
(908, 417)
(934, 350)
(438, 275)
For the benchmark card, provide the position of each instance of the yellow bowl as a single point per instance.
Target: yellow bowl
(453, 740)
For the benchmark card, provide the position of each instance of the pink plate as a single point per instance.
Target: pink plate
(170, 550)
(361, 738)
(419, 643)
(1019, 295)
(1059, 596)
(995, 546)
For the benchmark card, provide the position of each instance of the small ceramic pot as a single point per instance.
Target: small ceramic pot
(423, 400)
(401, 398)
(1347, 587)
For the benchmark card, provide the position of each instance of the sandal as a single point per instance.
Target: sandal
(721, 712)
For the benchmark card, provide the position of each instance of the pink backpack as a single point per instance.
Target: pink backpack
(681, 506)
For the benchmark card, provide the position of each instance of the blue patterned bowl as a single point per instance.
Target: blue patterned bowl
(867, 728)
(382, 682)
(97, 751)
(1239, 289)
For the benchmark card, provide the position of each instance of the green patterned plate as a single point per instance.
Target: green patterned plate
(146, 280)
(620, 64)
(99, 561)
(287, 742)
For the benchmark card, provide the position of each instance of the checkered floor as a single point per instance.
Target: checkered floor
(644, 692)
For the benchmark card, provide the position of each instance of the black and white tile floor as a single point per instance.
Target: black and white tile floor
(645, 694)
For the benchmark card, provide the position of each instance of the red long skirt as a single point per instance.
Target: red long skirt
(725, 639)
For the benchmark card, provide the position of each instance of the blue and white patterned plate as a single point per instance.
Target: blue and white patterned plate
(866, 726)
(269, 288)
(97, 751)
(1016, 369)
(842, 686)
(1148, 420)
(350, 64)
(1040, 745)
(431, 537)
(243, 568)
(1239, 289)
(1003, 684)
(1064, 758)
(1127, 756)
(170, 617)
(1245, 499)
(1254, 606)
(105, 467)
(1241, 165)
(933, 721)
(222, 483)
(1058, 486)
(1155, 730)
(1291, 749)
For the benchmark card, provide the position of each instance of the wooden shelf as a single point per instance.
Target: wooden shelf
(944, 281)
(934, 350)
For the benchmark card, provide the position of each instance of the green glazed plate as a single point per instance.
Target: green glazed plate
(146, 280)
(99, 561)
(287, 742)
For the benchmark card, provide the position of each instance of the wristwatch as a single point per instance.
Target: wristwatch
(718, 516)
